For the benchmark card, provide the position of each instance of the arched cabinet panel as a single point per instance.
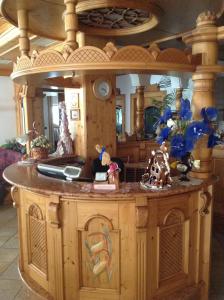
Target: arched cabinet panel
(33, 238)
(99, 262)
(173, 246)
(37, 239)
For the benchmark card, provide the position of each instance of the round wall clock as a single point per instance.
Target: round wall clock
(102, 88)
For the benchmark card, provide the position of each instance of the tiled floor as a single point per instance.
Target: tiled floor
(12, 288)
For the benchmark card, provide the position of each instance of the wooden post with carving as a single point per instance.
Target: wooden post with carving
(15, 193)
(24, 42)
(141, 243)
(204, 41)
(140, 111)
(71, 24)
(55, 248)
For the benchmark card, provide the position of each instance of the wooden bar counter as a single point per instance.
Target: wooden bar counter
(130, 244)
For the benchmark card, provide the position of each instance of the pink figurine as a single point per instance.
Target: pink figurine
(113, 171)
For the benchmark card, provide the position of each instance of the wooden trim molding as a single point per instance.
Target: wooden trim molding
(88, 59)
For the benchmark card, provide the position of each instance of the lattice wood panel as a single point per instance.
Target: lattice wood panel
(38, 247)
(88, 54)
(171, 251)
(37, 238)
(133, 53)
(49, 57)
(173, 55)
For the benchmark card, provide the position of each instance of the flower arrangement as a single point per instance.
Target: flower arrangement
(183, 132)
(40, 142)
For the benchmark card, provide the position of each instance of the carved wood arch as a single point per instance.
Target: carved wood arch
(87, 54)
(173, 245)
(174, 216)
(104, 218)
(173, 55)
(133, 53)
(35, 212)
(37, 238)
(48, 57)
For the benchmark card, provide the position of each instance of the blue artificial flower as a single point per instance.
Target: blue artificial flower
(177, 144)
(185, 110)
(212, 140)
(164, 134)
(196, 129)
(167, 114)
(209, 114)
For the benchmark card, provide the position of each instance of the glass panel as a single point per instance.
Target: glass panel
(151, 117)
(118, 120)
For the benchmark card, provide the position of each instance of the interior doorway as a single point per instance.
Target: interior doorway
(51, 115)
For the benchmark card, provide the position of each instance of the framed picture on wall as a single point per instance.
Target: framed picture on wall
(75, 100)
(75, 114)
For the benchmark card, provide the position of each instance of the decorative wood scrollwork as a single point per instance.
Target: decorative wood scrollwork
(15, 196)
(116, 18)
(109, 54)
(206, 196)
(53, 213)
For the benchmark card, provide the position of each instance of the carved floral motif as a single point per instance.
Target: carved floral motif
(99, 247)
(110, 49)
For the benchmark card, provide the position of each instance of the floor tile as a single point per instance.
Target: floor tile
(12, 223)
(8, 284)
(3, 239)
(26, 294)
(12, 243)
(3, 267)
(11, 272)
(8, 294)
(8, 255)
(7, 231)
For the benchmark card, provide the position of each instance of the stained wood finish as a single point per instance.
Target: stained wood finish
(129, 244)
(136, 151)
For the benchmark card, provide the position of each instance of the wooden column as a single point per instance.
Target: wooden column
(28, 95)
(179, 92)
(140, 111)
(71, 23)
(24, 42)
(18, 89)
(204, 41)
(97, 123)
(142, 212)
(81, 39)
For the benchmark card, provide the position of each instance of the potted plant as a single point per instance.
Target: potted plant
(40, 147)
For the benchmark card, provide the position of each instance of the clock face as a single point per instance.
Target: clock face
(102, 89)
